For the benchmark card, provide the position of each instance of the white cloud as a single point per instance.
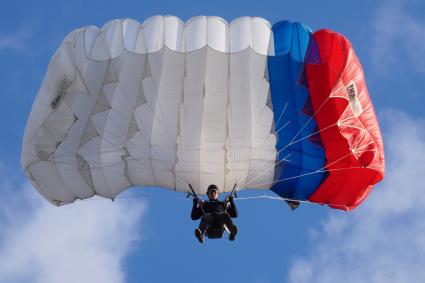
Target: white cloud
(16, 41)
(82, 242)
(384, 239)
(398, 37)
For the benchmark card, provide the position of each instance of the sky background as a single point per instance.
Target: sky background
(149, 237)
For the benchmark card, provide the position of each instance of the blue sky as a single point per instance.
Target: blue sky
(149, 238)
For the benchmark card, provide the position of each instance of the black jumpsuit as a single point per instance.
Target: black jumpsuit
(214, 212)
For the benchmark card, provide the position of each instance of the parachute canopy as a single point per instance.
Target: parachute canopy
(167, 103)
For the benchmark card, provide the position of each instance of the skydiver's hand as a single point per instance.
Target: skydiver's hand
(229, 198)
(197, 201)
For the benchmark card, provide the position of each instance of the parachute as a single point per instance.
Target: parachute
(167, 103)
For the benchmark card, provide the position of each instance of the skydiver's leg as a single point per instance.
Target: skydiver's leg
(225, 219)
(206, 221)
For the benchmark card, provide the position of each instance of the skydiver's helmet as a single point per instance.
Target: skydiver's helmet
(212, 187)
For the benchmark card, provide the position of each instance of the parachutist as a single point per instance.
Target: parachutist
(216, 216)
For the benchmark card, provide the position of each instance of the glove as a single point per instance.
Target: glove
(196, 201)
(230, 198)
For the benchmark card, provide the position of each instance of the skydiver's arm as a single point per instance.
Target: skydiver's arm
(232, 210)
(196, 210)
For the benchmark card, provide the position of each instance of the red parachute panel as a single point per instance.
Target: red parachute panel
(347, 123)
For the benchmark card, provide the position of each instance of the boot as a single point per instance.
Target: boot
(199, 235)
(233, 231)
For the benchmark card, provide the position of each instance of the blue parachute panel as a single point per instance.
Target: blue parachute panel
(300, 151)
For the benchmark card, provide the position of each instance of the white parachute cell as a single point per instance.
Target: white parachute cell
(163, 103)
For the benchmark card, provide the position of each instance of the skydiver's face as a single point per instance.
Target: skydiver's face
(213, 195)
